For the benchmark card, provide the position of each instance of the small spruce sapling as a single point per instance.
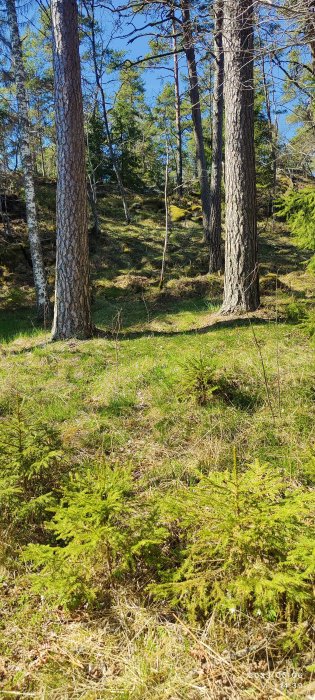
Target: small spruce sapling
(246, 539)
(31, 470)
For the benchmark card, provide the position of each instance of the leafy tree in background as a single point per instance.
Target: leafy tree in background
(129, 121)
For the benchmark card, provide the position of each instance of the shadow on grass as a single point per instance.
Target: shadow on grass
(14, 324)
(218, 324)
(279, 256)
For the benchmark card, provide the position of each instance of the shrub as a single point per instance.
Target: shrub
(246, 545)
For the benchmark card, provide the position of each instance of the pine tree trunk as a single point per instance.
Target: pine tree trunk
(42, 297)
(179, 146)
(215, 261)
(72, 317)
(196, 117)
(241, 288)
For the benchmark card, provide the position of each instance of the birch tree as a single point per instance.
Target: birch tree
(42, 296)
(241, 289)
(72, 317)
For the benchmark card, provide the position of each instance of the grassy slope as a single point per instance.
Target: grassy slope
(122, 395)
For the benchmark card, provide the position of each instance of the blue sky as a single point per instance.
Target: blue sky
(153, 77)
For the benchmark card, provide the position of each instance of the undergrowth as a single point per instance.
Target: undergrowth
(139, 559)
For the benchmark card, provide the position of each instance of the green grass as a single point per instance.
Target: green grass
(122, 396)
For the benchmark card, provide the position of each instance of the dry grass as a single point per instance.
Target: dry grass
(143, 653)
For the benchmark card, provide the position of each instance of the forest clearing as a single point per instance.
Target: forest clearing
(157, 329)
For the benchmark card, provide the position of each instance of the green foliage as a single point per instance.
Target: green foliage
(263, 144)
(98, 165)
(298, 207)
(99, 532)
(308, 324)
(31, 464)
(247, 544)
(295, 312)
(203, 381)
(198, 379)
(131, 124)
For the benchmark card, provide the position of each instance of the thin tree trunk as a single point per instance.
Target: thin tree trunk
(92, 194)
(105, 117)
(72, 298)
(166, 220)
(40, 141)
(215, 261)
(179, 146)
(42, 296)
(241, 288)
(92, 189)
(273, 136)
(196, 117)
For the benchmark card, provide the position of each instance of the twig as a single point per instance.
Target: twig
(264, 373)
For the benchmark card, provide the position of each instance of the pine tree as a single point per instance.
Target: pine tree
(72, 316)
(241, 290)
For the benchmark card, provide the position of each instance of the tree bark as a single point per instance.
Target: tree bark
(42, 296)
(241, 287)
(215, 261)
(179, 146)
(196, 117)
(72, 318)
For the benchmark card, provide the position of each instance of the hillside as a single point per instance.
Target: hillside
(168, 397)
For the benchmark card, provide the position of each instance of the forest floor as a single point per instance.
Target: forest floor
(121, 396)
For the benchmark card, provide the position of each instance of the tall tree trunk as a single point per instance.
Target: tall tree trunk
(179, 145)
(104, 110)
(241, 288)
(42, 297)
(72, 300)
(215, 261)
(196, 117)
